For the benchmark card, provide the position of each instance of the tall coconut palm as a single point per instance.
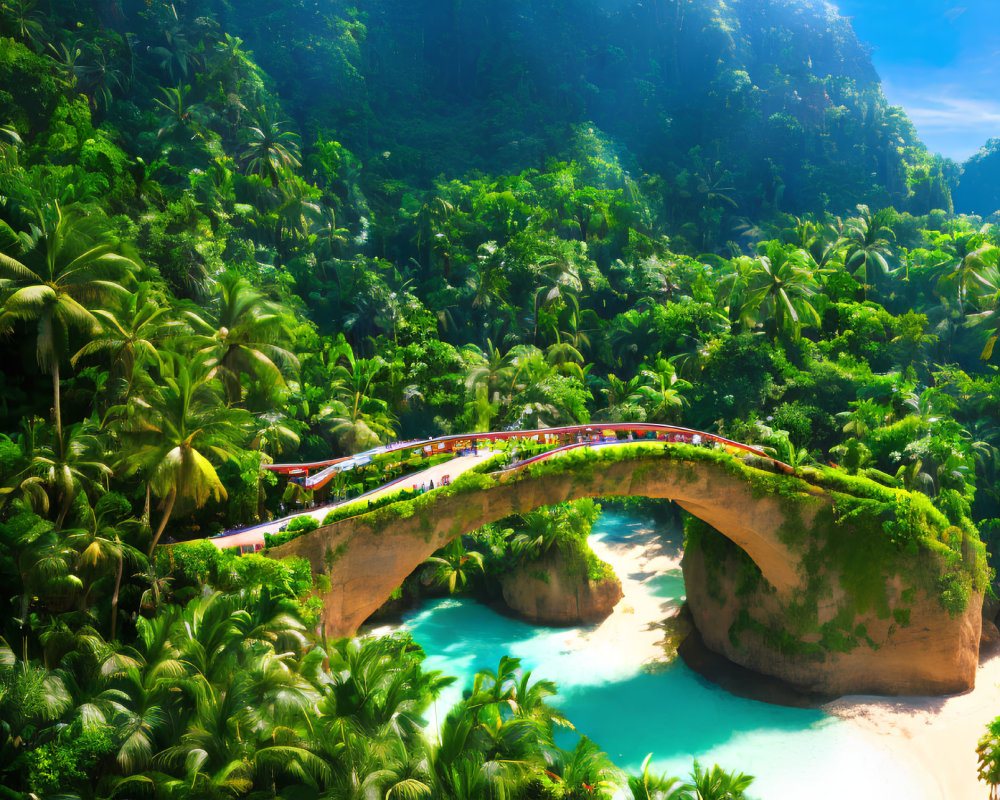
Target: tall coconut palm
(58, 272)
(179, 430)
(868, 240)
(250, 335)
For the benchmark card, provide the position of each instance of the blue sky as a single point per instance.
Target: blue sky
(940, 60)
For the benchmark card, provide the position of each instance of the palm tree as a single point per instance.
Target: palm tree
(646, 786)
(455, 565)
(299, 208)
(972, 257)
(781, 284)
(177, 116)
(537, 535)
(145, 674)
(491, 371)
(488, 285)
(44, 563)
(178, 429)
(132, 336)
(74, 462)
(587, 770)
(630, 336)
(99, 543)
(21, 20)
(717, 784)
(559, 280)
(988, 299)
(65, 262)
(622, 395)
(329, 236)
(270, 148)
(274, 436)
(358, 420)
(868, 239)
(661, 390)
(431, 217)
(251, 335)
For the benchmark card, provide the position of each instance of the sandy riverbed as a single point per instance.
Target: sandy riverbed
(633, 623)
(935, 736)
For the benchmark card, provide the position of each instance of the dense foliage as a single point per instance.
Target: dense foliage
(232, 233)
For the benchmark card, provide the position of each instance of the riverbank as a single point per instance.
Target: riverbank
(934, 737)
(617, 688)
(634, 626)
(937, 735)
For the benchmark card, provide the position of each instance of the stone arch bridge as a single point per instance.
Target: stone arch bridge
(835, 585)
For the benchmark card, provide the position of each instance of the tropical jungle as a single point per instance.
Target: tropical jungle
(236, 234)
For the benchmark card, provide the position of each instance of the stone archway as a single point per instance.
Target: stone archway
(798, 619)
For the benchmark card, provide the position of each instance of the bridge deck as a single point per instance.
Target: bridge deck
(562, 439)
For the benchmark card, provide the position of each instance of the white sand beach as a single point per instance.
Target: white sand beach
(936, 737)
(634, 623)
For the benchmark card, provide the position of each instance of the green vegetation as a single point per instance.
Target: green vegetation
(477, 561)
(233, 234)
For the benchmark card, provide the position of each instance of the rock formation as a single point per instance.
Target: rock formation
(831, 647)
(547, 592)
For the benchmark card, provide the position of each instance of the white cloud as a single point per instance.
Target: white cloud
(958, 113)
(954, 115)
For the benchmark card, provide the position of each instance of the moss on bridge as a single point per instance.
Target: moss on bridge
(879, 524)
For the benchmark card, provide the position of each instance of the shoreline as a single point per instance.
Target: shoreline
(936, 735)
(934, 738)
(635, 563)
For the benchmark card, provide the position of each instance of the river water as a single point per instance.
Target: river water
(615, 687)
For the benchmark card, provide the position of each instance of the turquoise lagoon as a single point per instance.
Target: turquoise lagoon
(676, 715)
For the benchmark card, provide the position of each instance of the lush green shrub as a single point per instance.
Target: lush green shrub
(302, 524)
(201, 563)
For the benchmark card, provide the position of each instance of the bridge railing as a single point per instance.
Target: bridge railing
(447, 443)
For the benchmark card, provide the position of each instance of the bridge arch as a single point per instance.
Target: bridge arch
(784, 524)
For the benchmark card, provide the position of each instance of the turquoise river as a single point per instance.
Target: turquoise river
(616, 691)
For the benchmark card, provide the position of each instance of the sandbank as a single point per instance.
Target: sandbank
(936, 735)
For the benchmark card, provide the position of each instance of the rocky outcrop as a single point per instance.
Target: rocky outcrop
(990, 636)
(548, 592)
(837, 645)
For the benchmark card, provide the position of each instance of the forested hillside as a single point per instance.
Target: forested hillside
(977, 191)
(233, 232)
